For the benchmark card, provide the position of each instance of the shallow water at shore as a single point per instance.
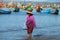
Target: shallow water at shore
(11, 26)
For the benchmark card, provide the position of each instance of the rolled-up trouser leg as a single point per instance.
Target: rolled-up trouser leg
(29, 30)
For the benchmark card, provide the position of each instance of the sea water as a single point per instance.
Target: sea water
(11, 25)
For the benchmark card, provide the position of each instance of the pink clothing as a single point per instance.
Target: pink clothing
(30, 21)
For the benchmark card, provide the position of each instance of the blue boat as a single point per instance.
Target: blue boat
(46, 11)
(5, 12)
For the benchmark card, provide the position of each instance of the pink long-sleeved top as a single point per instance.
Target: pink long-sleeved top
(30, 21)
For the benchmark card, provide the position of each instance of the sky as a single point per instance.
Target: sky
(43, 0)
(37, 0)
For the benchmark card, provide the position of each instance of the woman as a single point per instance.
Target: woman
(30, 23)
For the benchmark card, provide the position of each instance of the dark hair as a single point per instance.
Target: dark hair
(30, 14)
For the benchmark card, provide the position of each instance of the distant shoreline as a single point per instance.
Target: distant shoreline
(29, 2)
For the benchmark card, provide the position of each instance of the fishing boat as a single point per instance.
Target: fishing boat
(38, 9)
(55, 11)
(5, 11)
(46, 11)
(16, 10)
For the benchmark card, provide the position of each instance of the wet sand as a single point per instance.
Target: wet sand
(41, 38)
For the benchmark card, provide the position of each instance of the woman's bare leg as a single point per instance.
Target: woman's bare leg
(30, 36)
